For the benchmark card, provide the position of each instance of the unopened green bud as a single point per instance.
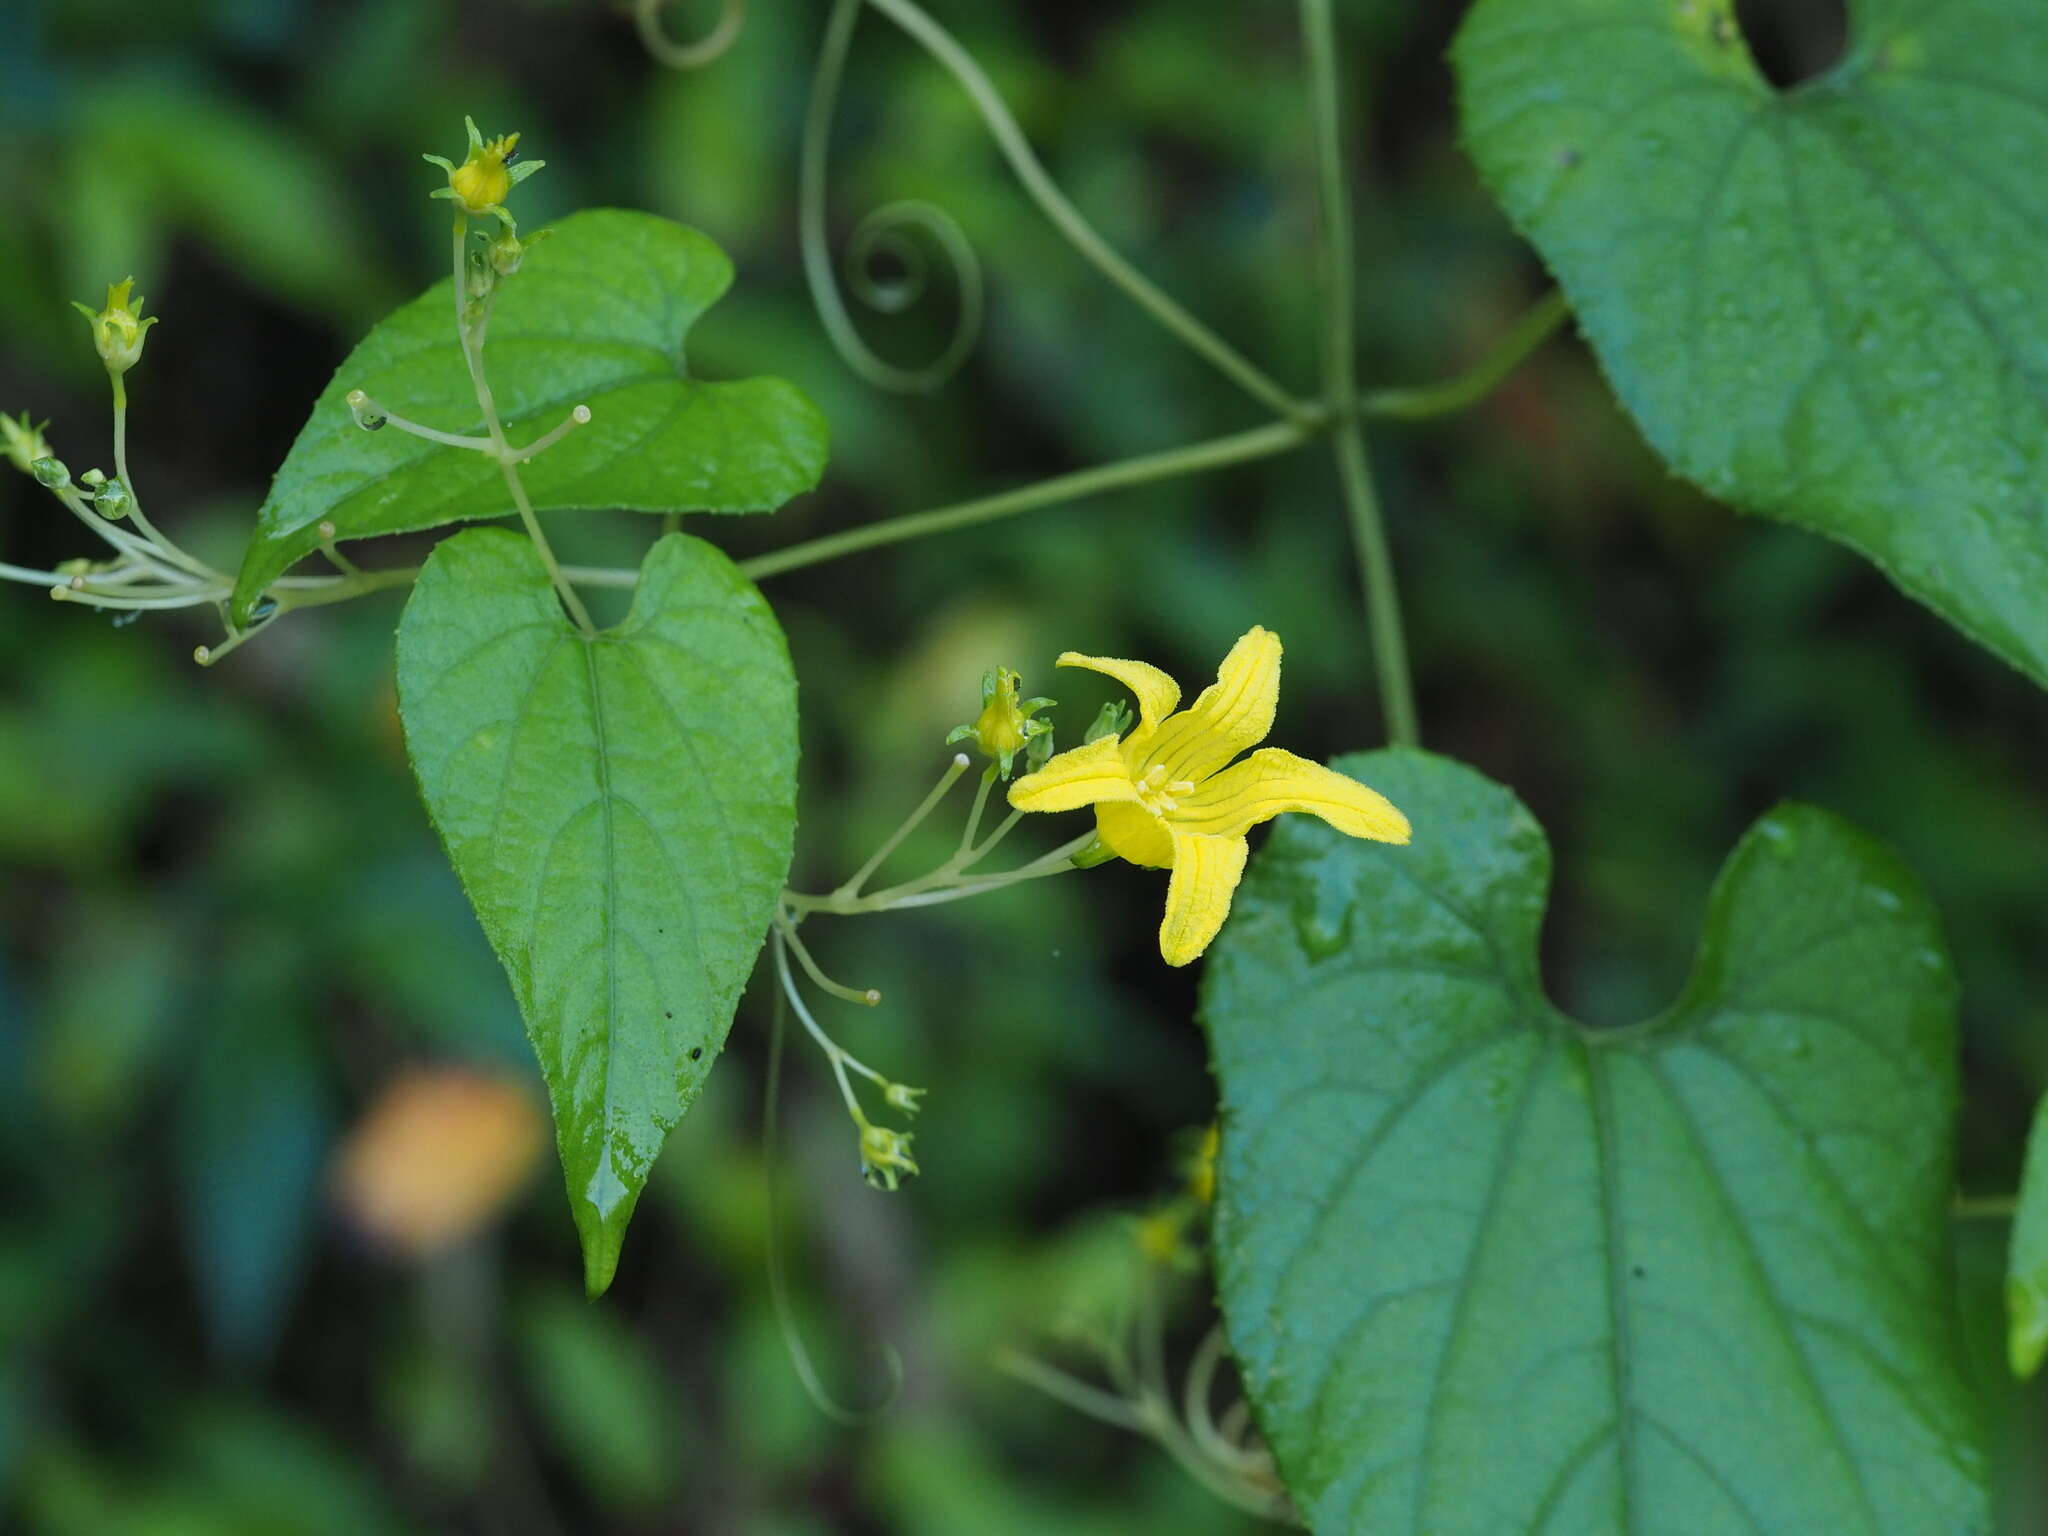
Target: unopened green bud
(51, 473)
(118, 329)
(93, 479)
(506, 253)
(113, 501)
(1113, 720)
(884, 1154)
(904, 1097)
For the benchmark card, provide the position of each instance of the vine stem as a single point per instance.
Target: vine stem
(472, 354)
(1239, 448)
(1065, 217)
(1340, 388)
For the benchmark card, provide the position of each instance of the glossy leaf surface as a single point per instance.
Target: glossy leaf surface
(1488, 1271)
(1821, 304)
(598, 315)
(620, 808)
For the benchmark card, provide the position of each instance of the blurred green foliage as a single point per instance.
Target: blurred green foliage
(224, 922)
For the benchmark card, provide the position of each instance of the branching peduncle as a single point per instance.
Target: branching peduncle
(508, 458)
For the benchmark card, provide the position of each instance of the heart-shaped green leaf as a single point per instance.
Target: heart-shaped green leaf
(621, 809)
(1822, 304)
(596, 316)
(1487, 1271)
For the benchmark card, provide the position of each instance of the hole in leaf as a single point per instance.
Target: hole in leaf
(1792, 41)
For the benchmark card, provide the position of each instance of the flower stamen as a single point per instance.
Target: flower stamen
(1159, 795)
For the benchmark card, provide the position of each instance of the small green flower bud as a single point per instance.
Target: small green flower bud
(1113, 720)
(506, 253)
(51, 473)
(904, 1097)
(93, 479)
(118, 329)
(113, 501)
(884, 1154)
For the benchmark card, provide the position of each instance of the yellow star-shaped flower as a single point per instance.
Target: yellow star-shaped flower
(1167, 795)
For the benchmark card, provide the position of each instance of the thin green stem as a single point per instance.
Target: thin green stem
(988, 779)
(342, 588)
(931, 893)
(1074, 1393)
(851, 887)
(1239, 448)
(867, 997)
(1382, 594)
(778, 1278)
(974, 856)
(1361, 503)
(1418, 402)
(1067, 219)
(472, 354)
(159, 545)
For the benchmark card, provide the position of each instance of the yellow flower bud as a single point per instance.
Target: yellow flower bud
(487, 175)
(1004, 727)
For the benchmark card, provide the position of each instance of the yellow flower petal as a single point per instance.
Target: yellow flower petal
(1081, 777)
(1156, 692)
(1205, 875)
(1271, 781)
(1135, 834)
(1232, 713)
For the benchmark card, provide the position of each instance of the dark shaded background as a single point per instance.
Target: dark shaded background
(225, 926)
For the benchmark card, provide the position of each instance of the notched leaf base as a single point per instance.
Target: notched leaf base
(1487, 1271)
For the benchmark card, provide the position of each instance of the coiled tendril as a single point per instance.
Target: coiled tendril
(889, 233)
(732, 15)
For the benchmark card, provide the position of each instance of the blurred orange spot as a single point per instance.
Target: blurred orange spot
(437, 1157)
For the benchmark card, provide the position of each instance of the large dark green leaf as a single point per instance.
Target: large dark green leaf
(1487, 1271)
(597, 316)
(1821, 304)
(620, 808)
